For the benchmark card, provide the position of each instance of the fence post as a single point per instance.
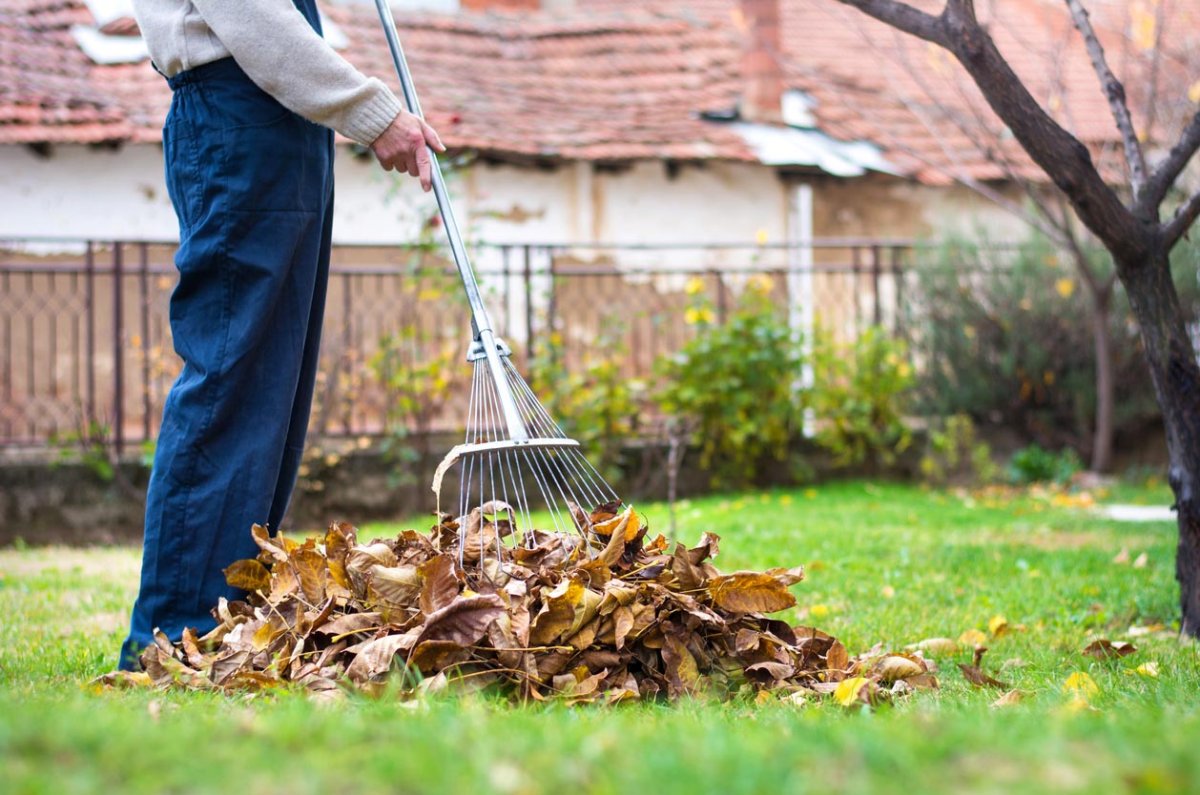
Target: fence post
(89, 310)
(898, 282)
(551, 309)
(856, 270)
(118, 351)
(722, 300)
(527, 290)
(876, 272)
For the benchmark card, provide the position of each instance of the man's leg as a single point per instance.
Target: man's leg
(302, 404)
(252, 261)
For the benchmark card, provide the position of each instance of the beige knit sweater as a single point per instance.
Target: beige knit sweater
(278, 50)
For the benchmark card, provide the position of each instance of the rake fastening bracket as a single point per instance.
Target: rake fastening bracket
(477, 350)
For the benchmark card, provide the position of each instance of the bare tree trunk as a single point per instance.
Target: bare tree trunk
(1102, 438)
(1176, 377)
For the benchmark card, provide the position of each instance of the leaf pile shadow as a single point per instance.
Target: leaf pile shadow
(609, 619)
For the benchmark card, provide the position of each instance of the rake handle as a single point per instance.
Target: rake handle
(481, 323)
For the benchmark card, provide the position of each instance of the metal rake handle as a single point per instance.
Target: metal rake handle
(480, 321)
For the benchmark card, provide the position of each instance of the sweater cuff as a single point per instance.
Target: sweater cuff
(368, 121)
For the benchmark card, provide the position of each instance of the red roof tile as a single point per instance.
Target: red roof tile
(617, 80)
(46, 94)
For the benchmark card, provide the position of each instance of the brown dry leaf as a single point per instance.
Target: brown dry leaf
(339, 540)
(895, 667)
(273, 547)
(750, 592)
(249, 575)
(1103, 648)
(375, 657)
(464, 621)
(937, 646)
(690, 576)
(1009, 699)
(539, 613)
(439, 583)
(557, 614)
(311, 571)
(974, 674)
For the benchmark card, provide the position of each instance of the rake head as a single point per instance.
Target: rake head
(516, 460)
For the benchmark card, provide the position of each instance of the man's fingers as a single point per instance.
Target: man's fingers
(431, 137)
(423, 169)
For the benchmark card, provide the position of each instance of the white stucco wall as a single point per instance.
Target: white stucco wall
(82, 192)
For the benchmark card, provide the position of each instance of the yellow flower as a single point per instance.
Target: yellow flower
(761, 236)
(818, 611)
(694, 286)
(760, 283)
(1065, 287)
(694, 315)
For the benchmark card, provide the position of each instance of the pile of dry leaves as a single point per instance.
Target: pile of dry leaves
(611, 618)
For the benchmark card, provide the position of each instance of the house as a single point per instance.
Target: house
(584, 125)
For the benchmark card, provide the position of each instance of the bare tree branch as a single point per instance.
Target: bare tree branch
(1156, 58)
(1184, 217)
(1168, 171)
(1062, 156)
(903, 17)
(1115, 92)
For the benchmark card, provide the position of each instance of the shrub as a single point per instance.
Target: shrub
(599, 405)
(860, 397)
(1033, 464)
(953, 452)
(1004, 336)
(736, 384)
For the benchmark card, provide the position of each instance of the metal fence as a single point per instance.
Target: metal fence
(85, 344)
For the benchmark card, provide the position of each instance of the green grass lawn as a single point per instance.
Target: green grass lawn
(886, 564)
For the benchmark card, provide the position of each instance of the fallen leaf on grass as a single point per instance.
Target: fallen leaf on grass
(580, 619)
(1009, 699)
(1081, 683)
(974, 674)
(998, 625)
(938, 646)
(851, 691)
(1122, 557)
(1150, 629)
(971, 638)
(1141, 560)
(1148, 669)
(750, 592)
(1103, 649)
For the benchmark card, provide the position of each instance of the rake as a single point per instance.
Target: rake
(514, 452)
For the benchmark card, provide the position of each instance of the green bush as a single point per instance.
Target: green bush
(860, 397)
(953, 452)
(736, 385)
(1033, 464)
(1004, 336)
(598, 405)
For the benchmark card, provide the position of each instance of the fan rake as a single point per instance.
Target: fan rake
(515, 457)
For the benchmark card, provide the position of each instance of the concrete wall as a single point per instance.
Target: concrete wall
(101, 193)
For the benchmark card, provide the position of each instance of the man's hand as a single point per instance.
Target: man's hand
(402, 147)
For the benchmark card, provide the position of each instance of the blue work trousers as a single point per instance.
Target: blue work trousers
(252, 185)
